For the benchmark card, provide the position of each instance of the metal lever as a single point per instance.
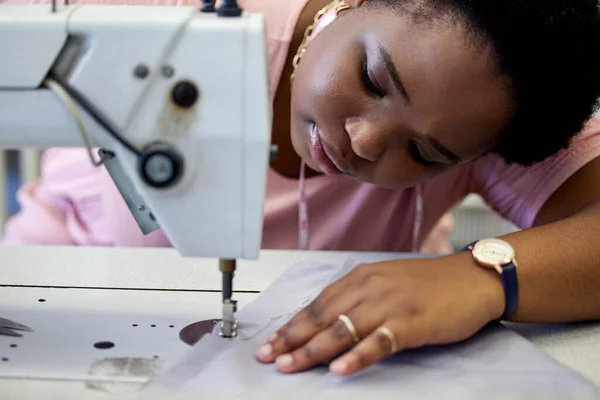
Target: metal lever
(9, 328)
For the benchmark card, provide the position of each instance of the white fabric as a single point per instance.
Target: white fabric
(496, 364)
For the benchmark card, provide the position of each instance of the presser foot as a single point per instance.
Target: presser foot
(192, 333)
(229, 322)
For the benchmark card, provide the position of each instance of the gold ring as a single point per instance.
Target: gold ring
(387, 333)
(350, 327)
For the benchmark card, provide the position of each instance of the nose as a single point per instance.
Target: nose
(368, 138)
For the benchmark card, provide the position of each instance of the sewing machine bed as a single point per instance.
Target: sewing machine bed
(92, 336)
(107, 319)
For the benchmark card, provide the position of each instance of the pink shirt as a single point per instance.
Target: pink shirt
(74, 203)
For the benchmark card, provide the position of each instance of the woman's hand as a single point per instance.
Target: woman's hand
(417, 302)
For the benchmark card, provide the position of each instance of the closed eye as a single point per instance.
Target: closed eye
(369, 82)
(417, 155)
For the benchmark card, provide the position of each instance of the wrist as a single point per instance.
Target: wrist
(488, 286)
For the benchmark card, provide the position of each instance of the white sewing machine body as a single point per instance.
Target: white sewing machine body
(128, 62)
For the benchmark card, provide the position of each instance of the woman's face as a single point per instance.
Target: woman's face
(387, 100)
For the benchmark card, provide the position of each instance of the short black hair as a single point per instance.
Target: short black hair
(549, 49)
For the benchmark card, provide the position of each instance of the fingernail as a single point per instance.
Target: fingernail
(272, 338)
(338, 367)
(264, 351)
(284, 360)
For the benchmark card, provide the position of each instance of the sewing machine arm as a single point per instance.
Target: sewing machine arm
(176, 101)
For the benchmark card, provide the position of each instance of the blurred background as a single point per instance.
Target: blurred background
(472, 218)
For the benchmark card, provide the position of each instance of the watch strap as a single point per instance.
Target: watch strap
(510, 283)
(511, 289)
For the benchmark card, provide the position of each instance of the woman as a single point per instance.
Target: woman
(399, 109)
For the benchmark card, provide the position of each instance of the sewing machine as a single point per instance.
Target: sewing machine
(175, 99)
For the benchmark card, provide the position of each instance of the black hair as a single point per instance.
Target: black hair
(549, 49)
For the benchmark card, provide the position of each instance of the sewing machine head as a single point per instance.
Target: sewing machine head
(177, 100)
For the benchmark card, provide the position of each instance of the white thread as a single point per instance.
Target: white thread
(72, 107)
(303, 228)
(418, 219)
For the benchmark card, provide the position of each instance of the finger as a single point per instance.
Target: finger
(327, 297)
(316, 317)
(331, 293)
(301, 330)
(333, 341)
(348, 284)
(343, 295)
(380, 344)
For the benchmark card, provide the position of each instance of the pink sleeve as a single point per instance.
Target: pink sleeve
(63, 207)
(518, 193)
(39, 221)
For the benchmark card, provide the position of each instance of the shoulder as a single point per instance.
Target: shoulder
(280, 16)
(92, 210)
(519, 192)
(583, 148)
(72, 184)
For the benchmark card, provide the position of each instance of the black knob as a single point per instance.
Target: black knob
(185, 94)
(229, 8)
(160, 165)
(208, 6)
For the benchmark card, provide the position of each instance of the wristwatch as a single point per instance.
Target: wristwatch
(499, 255)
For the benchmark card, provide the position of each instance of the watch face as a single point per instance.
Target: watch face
(492, 252)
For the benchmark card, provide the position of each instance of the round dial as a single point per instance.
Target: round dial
(492, 252)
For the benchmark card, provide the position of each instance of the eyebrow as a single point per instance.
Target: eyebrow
(392, 71)
(444, 151)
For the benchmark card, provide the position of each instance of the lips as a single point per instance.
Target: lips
(328, 161)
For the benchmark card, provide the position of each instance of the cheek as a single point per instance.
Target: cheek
(320, 93)
(327, 79)
(398, 170)
(315, 84)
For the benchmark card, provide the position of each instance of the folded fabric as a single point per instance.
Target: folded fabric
(495, 364)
